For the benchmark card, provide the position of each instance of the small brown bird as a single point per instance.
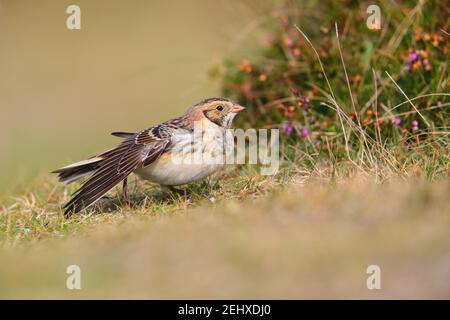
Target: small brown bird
(150, 154)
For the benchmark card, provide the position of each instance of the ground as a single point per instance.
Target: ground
(296, 235)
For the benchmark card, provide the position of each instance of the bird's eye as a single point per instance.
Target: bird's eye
(220, 108)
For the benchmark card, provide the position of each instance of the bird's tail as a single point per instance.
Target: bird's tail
(75, 171)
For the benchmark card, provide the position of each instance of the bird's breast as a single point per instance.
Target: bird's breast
(190, 157)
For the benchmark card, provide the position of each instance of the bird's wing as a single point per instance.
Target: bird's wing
(141, 148)
(122, 134)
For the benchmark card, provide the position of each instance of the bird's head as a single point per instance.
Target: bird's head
(220, 111)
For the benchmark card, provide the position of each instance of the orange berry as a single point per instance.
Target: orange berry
(288, 42)
(423, 54)
(245, 66)
(356, 78)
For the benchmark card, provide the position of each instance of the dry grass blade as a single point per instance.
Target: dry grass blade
(409, 100)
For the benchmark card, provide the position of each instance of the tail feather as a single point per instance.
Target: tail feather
(75, 171)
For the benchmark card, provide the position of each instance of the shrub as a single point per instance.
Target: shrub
(387, 88)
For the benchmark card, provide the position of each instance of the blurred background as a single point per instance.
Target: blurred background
(130, 66)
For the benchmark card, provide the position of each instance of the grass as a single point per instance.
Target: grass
(301, 234)
(38, 214)
(329, 82)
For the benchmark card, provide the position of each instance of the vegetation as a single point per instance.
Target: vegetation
(300, 235)
(343, 92)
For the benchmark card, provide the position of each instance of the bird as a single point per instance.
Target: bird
(150, 154)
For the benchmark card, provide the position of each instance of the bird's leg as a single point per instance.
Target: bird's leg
(124, 194)
(175, 190)
(171, 189)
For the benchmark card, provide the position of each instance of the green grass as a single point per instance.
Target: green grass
(301, 234)
(332, 84)
(37, 214)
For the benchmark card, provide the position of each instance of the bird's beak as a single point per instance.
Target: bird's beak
(237, 108)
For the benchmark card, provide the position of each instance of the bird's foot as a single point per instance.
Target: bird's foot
(170, 192)
(175, 190)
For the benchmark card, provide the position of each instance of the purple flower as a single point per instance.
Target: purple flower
(306, 100)
(412, 56)
(287, 128)
(305, 132)
(415, 125)
(397, 121)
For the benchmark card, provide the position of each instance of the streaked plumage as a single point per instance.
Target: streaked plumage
(148, 154)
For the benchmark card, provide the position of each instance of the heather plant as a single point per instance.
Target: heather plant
(339, 90)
